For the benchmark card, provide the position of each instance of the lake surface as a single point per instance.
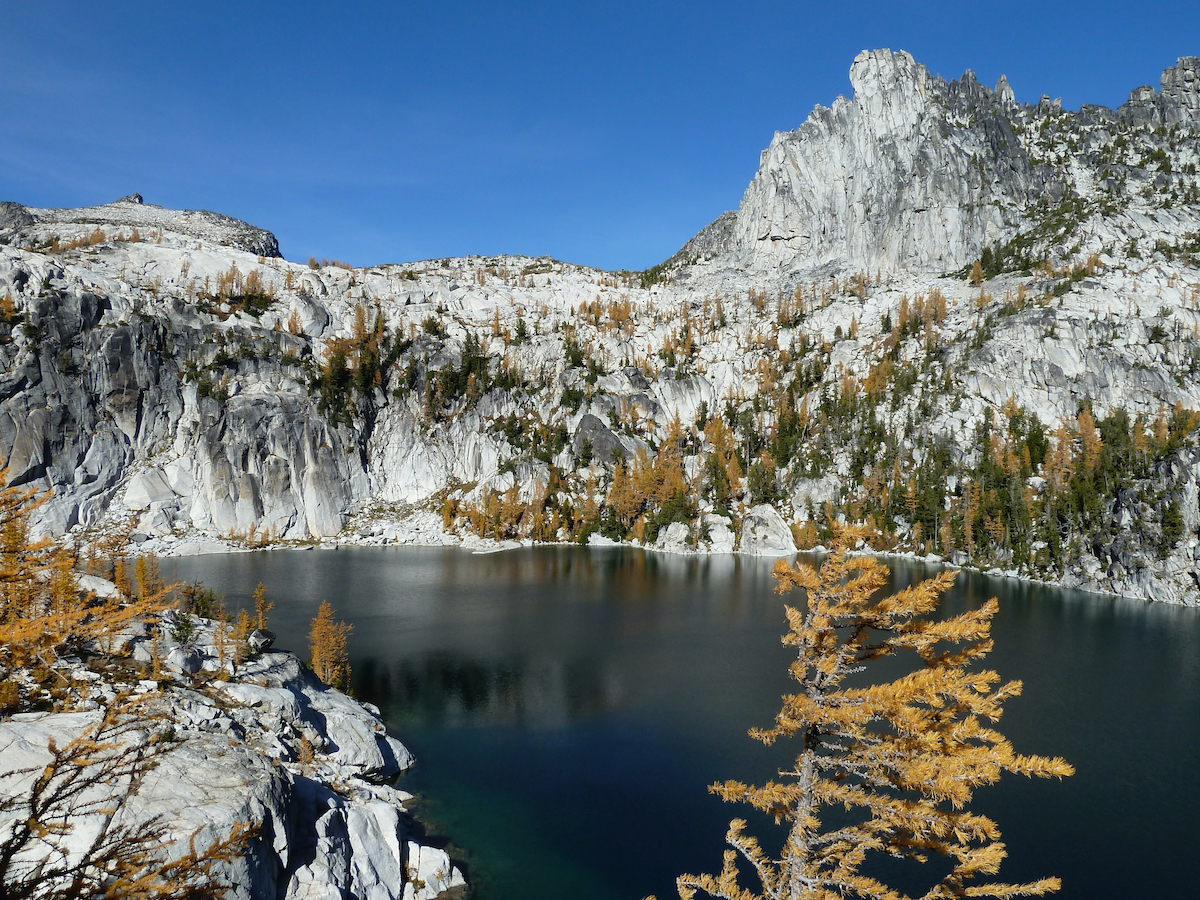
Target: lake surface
(569, 706)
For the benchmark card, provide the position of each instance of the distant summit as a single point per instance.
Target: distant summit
(132, 211)
(920, 174)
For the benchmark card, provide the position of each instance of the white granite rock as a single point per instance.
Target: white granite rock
(721, 538)
(765, 533)
(146, 488)
(675, 538)
(235, 760)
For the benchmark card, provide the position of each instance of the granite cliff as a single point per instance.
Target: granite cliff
(917, 173)
(930, 294)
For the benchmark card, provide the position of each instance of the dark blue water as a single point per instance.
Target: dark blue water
(568, 708)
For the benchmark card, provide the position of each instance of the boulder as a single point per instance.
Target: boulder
(148, 487)
(720, 535)
(260, 640)
(765, 533)
(101, 587)
(674, 538)
(184, 659)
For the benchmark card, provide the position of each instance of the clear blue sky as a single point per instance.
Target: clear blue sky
(600, 133)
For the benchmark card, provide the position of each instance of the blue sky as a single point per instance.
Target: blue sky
(600, 133)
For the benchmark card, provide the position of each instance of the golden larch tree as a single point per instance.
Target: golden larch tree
(1089, 437)
(45, 618)
(327, 645)
(622, 499)
(887, 768)
(262, 606)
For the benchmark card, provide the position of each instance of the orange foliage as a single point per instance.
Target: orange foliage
(905, 755)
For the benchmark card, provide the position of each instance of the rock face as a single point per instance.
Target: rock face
(102, 382)
(192, 387)
(765, 533)
(911, 172)
(275, 749)
(1177, 104)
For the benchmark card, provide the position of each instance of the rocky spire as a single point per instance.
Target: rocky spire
(1181, 92)
(912, 172)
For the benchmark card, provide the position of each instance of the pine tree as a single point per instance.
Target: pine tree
(898, 761)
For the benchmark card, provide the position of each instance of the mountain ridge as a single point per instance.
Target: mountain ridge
(894, 98)
(1016, 394)
(132, 212)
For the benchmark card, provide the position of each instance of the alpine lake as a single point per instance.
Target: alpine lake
(568, 708)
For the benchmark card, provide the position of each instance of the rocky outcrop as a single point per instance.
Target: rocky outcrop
(711, 240)
(275, 749)
(145, 385)
(131, 212)
(1129, 557)
(1178, 103)
(765, 533)
(1181, 92)
(595, 439)
(911, 172)
(14, 215)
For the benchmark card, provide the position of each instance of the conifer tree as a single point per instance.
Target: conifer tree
(888, 768)
(327, 644)
(261, 606)
(44, 616)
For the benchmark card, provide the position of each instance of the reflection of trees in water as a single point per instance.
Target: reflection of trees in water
(445, 691)
(611, 573)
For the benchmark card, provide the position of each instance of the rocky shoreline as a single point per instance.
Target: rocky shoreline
(771, 539)
(271, 747)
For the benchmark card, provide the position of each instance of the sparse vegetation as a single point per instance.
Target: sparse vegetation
(45, 622)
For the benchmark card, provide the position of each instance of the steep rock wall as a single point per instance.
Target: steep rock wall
(910, 172)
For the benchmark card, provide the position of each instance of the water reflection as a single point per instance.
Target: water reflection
(444, 691)
(568, 706)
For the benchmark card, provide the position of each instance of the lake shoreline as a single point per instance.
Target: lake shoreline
(569, 707)
(423, 529)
